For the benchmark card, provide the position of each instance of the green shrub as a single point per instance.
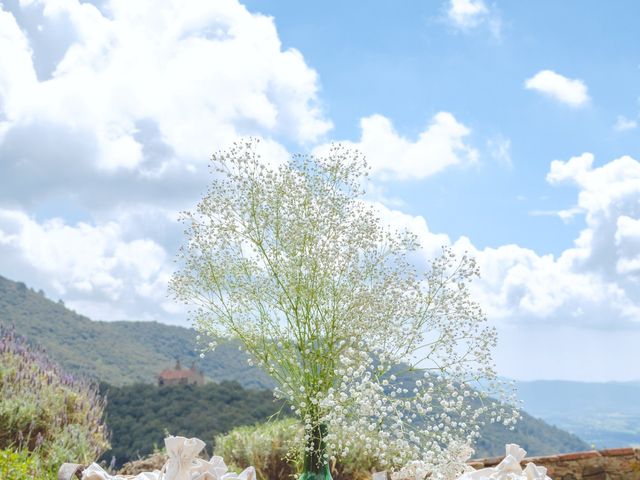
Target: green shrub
(274, 449)
(17, 465)
(270, 447)
(46, 415)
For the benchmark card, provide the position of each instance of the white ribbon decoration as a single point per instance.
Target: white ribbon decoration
(183, 464)
(215, 469)
(509, 468)
(182, 453)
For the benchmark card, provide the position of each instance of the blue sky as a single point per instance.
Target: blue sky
(506, 129)
(408, 62)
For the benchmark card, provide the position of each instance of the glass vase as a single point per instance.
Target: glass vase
(316, 466)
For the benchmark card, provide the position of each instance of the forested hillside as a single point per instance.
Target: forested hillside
(123, 353)
(139, 416)
(115, 352)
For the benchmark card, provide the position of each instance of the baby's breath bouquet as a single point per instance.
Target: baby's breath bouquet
(289, 258)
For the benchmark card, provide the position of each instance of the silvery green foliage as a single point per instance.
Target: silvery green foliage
(45, 411)
(290, 259)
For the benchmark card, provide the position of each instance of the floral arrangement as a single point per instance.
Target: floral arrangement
(289, 257)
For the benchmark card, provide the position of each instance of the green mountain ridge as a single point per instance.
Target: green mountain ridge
(118, 353)
(127, 352)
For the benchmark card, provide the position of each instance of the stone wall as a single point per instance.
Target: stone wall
(613, 464)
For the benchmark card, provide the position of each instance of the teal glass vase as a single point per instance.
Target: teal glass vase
(316, 466)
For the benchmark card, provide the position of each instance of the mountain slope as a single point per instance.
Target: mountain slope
(122, 353)
(139, 415)
(118, 353)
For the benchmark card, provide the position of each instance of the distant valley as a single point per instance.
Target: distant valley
(605, 415)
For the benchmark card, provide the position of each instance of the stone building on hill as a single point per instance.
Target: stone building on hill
(181, 376)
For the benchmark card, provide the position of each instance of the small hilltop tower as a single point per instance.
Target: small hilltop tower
(181, 376)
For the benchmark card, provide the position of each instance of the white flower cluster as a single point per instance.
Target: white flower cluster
(324, 297)
(423, 415)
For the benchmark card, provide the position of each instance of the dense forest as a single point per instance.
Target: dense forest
(140, 416)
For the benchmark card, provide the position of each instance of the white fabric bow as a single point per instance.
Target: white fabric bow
(215, 469)
(183, 464)
(96, 472)
(182, 453)
(509, 468)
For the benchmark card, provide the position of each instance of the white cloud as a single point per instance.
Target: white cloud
(469, 14)
(595, 282)
(627, 240)
(186, 78)
(623, 124)
(573, 169)
(110, 113)
(500, 150)
(431, 243)
(588, 294)
(566, 214)
(570, 91)
(392, 156)
(96, 268)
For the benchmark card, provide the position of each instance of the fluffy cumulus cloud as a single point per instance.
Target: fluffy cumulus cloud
(466, 15)
(569, 91)
(96, 269)
(141, 92)
(431, 243)
(440, 145)
(109, 111)
(558, 313)
(595, 282)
